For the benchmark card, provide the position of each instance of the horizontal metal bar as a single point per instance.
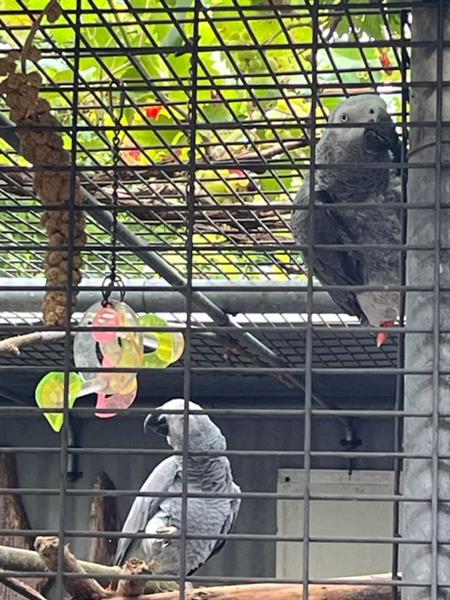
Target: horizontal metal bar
(261, 537)
(33, 411)
(235, 370)
(242, 495)
(281, 412)
(230, 453)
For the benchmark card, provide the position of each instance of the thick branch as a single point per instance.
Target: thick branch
(104, 516)
(81, 589)
(26, 560)
(21, 588)
(13, 345)
(128, 587)
(278, 592)
(13, 517)
(19, 560)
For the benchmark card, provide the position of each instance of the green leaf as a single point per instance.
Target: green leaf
(217, 112)
(174, 38)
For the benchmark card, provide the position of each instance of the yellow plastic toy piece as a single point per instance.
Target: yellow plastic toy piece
(170, 345)
(49, 393)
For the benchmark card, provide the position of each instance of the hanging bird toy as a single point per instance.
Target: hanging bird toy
(105, 347)
(113, 342)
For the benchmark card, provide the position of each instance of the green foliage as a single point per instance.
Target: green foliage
(253, 91)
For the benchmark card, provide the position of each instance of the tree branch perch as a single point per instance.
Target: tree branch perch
(15, 559)
(81, 589)
(13, 345)
(20, 560)
(21, 588)
(277, 591)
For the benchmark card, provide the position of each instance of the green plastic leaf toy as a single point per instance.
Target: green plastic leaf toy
(169, 345)
(49, 393)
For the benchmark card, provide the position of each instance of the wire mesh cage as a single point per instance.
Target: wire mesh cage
(225, 221)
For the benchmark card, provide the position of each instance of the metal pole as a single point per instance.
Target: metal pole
(152, 295)
(430, 521)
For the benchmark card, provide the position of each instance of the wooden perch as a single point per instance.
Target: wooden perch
(12, 511)
(18, 559)
(81, 589)
(21, 560)
(269, 591)
(89, 588)
(13, 516)
(104, 516)
(13, 345)
(20, 588)
(128, 587)
(15, 559)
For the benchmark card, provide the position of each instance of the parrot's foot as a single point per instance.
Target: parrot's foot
(169, 530)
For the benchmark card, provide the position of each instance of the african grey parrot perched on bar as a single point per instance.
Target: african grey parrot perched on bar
(375, 142)
(205, 516)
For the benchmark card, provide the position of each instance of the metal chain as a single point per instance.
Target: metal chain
(112, 280)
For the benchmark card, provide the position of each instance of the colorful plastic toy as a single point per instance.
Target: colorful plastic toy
(168, 346)
(49, 393)
(107, 347)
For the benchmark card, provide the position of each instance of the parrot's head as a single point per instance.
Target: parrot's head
(168, 420)
(373, 134)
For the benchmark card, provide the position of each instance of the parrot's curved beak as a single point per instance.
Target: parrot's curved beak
(157, 423)
(383, 336)
(381, 135)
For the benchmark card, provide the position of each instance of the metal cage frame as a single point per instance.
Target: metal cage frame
(220, 264)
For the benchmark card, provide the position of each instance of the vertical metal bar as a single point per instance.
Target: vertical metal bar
(63, 458)
(309, 310)
(399, 384)
(437, 308)
(190, 198)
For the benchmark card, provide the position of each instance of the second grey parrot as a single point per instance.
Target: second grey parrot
(205, 516)
(368, 138)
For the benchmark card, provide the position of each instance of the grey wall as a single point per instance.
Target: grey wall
(252, 473)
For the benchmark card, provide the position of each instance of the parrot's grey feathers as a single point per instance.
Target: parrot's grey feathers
(342, 147)
(331, 267)
(227, 527)
(206, 515)
(144, 508)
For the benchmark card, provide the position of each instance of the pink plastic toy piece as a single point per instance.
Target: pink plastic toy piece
(106, 317)
(114, 401)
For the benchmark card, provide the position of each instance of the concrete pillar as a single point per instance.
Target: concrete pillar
(429, 394)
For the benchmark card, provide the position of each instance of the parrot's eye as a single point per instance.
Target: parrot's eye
(372, 111)
(344, 118)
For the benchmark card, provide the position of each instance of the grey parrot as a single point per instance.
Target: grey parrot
(374, 142)
(205, 516)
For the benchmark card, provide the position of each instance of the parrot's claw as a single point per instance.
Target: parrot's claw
(169, 530)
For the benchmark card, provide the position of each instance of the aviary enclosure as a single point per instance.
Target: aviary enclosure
(225, 222)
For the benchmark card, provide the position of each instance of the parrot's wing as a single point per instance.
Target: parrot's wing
(331, 267)
(227, 526)
(144, 508)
